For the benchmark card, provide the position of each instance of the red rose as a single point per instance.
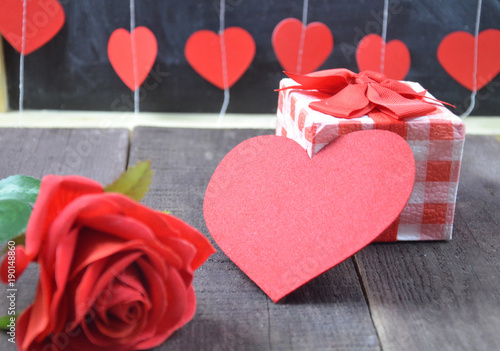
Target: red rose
(114, 274)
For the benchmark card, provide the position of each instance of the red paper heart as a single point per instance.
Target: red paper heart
(44, 19)
(318, 45)
(284, 218)
(396, 58)
(120, 54)
(456, 55)
(203, 52)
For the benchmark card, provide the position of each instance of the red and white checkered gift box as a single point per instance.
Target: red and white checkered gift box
(436, 140)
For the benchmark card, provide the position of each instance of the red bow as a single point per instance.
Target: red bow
(354, 95)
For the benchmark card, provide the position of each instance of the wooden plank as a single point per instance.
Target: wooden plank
(330, 313)
(3, 81)
(97, 153)
(444, 295)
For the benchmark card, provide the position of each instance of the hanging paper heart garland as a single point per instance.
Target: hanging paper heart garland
(203, 53)
(397, 56)
(456, 55)
(317, 46)
(120, 54)
(284, 218)
(44, 19)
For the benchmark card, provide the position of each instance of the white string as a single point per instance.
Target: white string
(474, 68)
(21, 63)
(384, 35)
(134, 58)
(305, 9)
(225, 104)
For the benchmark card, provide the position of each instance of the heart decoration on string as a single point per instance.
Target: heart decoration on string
(44, 19)
(284, 218)
(456, 55)
(397, 59)
(120, 54)
(203, 52)
(317, 46)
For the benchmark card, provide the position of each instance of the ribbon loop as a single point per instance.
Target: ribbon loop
(358, 103)
(357, 94)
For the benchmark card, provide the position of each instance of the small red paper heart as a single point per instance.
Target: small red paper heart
(120, 54)
(203, 52)
(397, 59)
(456, 55)
(44, 19)
(284, 218)
(317, 46)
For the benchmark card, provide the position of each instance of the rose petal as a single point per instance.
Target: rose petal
(161, 224)
(102, 334)
(157, 222)
(187, 252)
(94, 246)
(126, 289)
(131, 277)
(127, 228)
(64, 256)
(85, 206)
(127, 312)
(118, 323)
(22, 323)
(96, 278)
(115, 330)
(55, 193)
(181, 305)
(38, 324)
(84, 288)
(157, 295)
(203, 247)
(133, 209)
(80, 342)
(21, 262)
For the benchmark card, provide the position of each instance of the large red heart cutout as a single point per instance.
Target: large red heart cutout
(204, 54)
(317, 46)
(120, 54)
(456, 55)
(284, 218)
(44, 19)
(397, 59)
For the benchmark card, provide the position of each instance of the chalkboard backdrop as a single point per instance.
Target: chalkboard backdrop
(72, 72)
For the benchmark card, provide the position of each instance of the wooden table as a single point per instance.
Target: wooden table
(397, 296)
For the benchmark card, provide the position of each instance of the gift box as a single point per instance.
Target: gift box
(436, 139)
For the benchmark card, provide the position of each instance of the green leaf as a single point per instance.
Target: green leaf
(17, 194)
(20, 187)
(134, 182)
(5, 321)
(14, 217)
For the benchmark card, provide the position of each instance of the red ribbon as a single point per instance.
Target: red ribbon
(355, 95)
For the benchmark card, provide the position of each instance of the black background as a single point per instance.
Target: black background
(72, 72)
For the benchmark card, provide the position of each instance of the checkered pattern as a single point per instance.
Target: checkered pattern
(436, 141)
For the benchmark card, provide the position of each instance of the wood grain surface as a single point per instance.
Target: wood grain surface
(396, 296)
